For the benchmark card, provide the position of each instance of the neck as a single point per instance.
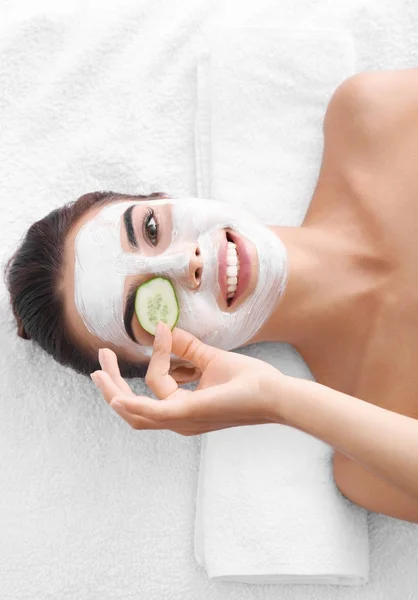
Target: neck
(329, 278)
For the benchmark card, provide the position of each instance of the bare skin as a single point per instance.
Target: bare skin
(367, 190)
(351, 304)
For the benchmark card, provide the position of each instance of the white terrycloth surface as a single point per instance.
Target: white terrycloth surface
(96, 97)
(267, 506)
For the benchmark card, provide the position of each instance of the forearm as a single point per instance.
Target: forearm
(383, 442)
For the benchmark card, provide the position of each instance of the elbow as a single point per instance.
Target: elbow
(368, 491)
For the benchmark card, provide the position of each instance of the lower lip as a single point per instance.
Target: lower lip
(244, 275)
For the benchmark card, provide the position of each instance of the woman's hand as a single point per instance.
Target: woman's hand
(234, 390)
(377, 448)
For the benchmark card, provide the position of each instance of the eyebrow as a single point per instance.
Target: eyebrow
(130, 231)
(130, 302)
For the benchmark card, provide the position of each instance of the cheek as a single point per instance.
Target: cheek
(199, 313)
(165, 238)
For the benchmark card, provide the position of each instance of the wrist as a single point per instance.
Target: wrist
(276, 389)
(297, 400)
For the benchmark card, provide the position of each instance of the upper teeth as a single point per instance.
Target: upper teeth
(232, 269)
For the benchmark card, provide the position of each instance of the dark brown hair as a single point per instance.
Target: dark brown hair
(33, 276)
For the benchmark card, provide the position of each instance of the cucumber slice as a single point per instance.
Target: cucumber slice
(155, 301)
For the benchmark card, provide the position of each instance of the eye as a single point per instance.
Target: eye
(151, 228)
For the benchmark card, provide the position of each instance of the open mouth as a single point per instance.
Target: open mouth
(234, 273)
(232, 269)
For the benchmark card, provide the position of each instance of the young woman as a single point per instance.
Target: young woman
(341, 289)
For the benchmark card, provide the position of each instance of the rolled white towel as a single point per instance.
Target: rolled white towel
(267, 506)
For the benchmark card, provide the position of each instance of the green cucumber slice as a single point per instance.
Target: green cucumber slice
(155, 301)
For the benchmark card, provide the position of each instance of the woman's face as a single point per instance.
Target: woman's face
(228, 271)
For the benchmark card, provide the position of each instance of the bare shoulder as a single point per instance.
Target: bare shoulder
(373, 103)
(372, 493)
(371, 123)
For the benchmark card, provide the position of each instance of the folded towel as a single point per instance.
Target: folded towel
(267, 506)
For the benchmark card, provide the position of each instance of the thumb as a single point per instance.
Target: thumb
(187, 346)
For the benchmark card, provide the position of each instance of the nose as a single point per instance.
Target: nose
(195, 267)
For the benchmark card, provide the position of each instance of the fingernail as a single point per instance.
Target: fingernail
(95, 379)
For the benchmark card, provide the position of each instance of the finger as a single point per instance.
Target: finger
(134, 420)
(110, 392)
(158, 377)
(186, 409)
(179, 421)
(109, 363)
(183, 405)
(187, 346)
(106, 385)
(128, 410)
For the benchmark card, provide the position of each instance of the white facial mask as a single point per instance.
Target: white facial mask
(101, 266)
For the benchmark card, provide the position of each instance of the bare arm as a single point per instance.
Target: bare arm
(384, 443)
(380, 447)
(371, 129)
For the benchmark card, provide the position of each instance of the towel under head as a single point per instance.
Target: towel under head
(267, 507)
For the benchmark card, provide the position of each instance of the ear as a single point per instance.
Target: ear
(183, 374)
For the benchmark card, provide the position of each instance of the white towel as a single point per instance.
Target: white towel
(267, 506)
